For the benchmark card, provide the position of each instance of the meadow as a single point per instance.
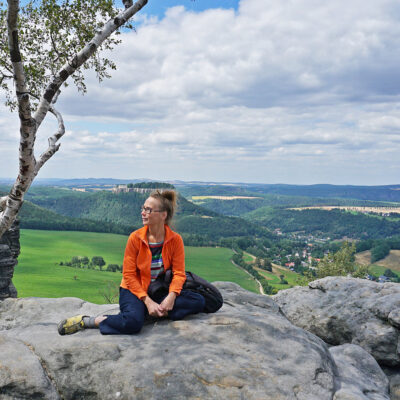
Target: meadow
(39, 274)
(274, 280)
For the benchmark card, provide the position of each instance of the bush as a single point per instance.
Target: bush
(389, 273)
(112, 267)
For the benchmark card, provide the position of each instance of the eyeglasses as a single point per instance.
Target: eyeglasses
(149, 210)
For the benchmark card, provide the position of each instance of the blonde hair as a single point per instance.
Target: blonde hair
(167, 198)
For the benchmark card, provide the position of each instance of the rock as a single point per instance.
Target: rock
(6, 258)
(348, 310)
(22, 376)
(11, 239)
(9, 251)
(247, 350)
(394, 381)
(359, 374)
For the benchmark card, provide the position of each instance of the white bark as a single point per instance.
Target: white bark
(28, 166)
(53, 146)
(27, 160)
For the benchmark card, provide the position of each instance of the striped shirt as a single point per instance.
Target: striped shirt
(157, 265)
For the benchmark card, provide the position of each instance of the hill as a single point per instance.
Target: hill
(35, 217)
(122, 210)
(334, 223)
(234, 206)
(387, 193)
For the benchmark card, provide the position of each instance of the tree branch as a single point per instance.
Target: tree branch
(80, 58)
(53, 44)
(4, 76)
(53, 146)
(7, 68)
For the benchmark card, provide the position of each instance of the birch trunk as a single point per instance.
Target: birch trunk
(13, 202)
(28, 165)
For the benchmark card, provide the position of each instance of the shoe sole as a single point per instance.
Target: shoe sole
(74, 328)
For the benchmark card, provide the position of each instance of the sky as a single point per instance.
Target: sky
(295, 91)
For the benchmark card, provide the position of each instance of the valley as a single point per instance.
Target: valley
(292, 232)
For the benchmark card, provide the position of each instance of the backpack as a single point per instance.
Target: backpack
(195, 283)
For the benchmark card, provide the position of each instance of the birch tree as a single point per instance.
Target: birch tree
(44, 46)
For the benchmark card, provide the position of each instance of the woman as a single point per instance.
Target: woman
(150, 251)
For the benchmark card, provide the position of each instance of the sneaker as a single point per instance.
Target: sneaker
(71, 325)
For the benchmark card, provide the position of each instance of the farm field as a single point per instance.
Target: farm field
(196, 198)
(376, 210)
(39, 274)
(249, 258)
(392, 261)
(363, 258)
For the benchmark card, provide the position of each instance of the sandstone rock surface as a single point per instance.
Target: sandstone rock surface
(359, 374)
(343, 310)
(9, 251)
(247, 350)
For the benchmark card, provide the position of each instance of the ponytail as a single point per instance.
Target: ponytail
(167, 198)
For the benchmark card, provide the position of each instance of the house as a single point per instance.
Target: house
(126, 189)
(291, 264)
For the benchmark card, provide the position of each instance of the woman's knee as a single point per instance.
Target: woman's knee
(199, 302)
(131, 323)
(188, 303)
(195, 300)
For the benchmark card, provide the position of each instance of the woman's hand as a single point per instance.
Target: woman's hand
(153, 308)
(168, 303)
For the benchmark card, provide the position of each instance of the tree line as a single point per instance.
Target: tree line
(96, 262)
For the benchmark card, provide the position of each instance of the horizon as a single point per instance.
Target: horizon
(210, 182)
(233, 91)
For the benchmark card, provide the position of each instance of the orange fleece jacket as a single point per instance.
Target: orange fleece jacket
(136, 272)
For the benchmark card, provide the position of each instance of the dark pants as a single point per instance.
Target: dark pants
(133, 312)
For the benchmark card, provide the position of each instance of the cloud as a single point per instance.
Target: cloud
(313, 82)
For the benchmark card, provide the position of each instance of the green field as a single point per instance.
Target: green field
(248, 257)
(214, 264)
(39, 273)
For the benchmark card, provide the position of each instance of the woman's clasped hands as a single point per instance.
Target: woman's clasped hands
(162, 309)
